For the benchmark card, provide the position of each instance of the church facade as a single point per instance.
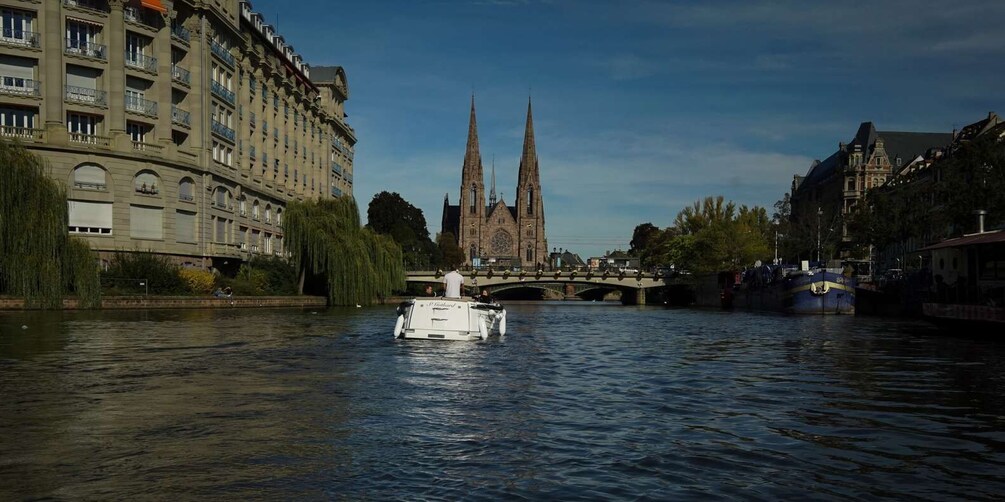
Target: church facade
(495, 233)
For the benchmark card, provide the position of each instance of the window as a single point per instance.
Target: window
(184, 226)
(530, 254)
(90, 217)
(137, 132)
(221, 198)
(81, 38)
(82, 128)
(473, 204)
(530, 201)
(90, 177)
(17, 27)
(223, 153)
(254, 211)
(146, 182)
(146, 222)
(268, 213)
(136, 50)
(851, 184)
(243, 206)
(17, 75)
(186, 190)
(17, 121)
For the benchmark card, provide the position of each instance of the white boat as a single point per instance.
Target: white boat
(449, 319)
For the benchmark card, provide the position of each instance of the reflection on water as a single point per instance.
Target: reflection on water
(579, 401)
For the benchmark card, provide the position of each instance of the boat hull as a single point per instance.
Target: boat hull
(820, 293)
(449, 319)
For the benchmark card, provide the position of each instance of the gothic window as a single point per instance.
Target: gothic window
(530, 201)
(502, 243)
(530, 254)
(472, 253)
(474, 200)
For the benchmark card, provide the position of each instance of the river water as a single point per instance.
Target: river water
(580, 401)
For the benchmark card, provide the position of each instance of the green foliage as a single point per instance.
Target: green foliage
(356, 264)
(710, 236)
(197, 281)
(450, 254)
(158, 275)
(280, 276)
(38, 261)
(642, 238)
(391, 215)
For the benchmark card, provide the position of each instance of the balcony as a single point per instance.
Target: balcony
(180, 34)
(86, 49)
(186, 197)
(90, 139)
(140, 61)
(22, 133)
(140, 146)
(14, 86)
(180, 117)
(222, 92)
(20, 38)
(181, 75)
(336, 192)
(140, 105)
(251, 120)
(223, 131)
(222, 53)
(91, 5)
(86, 95)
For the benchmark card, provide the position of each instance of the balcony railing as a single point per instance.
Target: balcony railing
(20, 37)
(24, 133)
(180, 117)
(137, 104)
(90, 139)
(223, 131)
(84, 48)
(141, 61)
(336, 192)
(100, 187)
(94, 5)
(140, 146)
(86, 95)
(19, 86)
(222, 53)
(180, 33)
(337, 169)
(222, 92)
(187, 197)
(181, 75)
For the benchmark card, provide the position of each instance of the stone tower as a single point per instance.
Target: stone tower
(472, 203)
(533, 247)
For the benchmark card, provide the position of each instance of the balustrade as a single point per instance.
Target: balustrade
(85, 48)
(86, 95)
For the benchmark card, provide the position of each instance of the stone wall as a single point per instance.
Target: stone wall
(184, 302)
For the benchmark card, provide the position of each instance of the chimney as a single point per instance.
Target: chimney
(980, 220)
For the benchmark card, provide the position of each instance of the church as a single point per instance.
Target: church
(496, 234)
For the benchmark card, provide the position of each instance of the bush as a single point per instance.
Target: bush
(142, 272)
(280, 275)
(198, 281)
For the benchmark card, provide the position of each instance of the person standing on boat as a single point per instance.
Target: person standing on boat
(453, 283)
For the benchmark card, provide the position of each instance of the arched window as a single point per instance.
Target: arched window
(242, 206)
(186, 189)
(474, 199)
(268, 213)
(530, 254)
(279, 217)
(472, 252)
(90, 177)
(146, 182)
(254, 211)
(530, 201)
(221, 198)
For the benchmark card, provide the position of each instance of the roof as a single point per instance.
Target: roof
(909, 145)
(994, 237)
(324, 73)
(451, 219)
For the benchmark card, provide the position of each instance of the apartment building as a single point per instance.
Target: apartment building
(182, 128)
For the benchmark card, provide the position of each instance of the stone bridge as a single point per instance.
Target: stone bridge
(632, 285)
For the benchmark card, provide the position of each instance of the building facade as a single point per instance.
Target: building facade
(495, 233)
(182, 128)
(831, 189)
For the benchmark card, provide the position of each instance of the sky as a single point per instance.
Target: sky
(641, 107)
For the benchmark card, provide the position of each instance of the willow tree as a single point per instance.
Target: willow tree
(39, 260)
(325, 239)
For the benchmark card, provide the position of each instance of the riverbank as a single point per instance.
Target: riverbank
(182, 302)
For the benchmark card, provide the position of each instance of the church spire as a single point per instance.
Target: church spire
(528, 160)
(492, 192)
(472, 170)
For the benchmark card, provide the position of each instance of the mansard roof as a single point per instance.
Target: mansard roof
(909, 145)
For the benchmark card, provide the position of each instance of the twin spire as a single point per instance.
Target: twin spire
(472, 168)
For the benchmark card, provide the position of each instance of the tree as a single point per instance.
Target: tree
(450, 254)
(356, 265)
(712, 235)
(642, 238)
(390, 214)
(39, 261)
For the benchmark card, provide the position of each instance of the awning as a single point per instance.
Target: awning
(969, 240)
(154, 4)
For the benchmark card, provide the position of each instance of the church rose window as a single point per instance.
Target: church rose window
(502, 243)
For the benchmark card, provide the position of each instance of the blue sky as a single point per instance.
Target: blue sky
(640, 107)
